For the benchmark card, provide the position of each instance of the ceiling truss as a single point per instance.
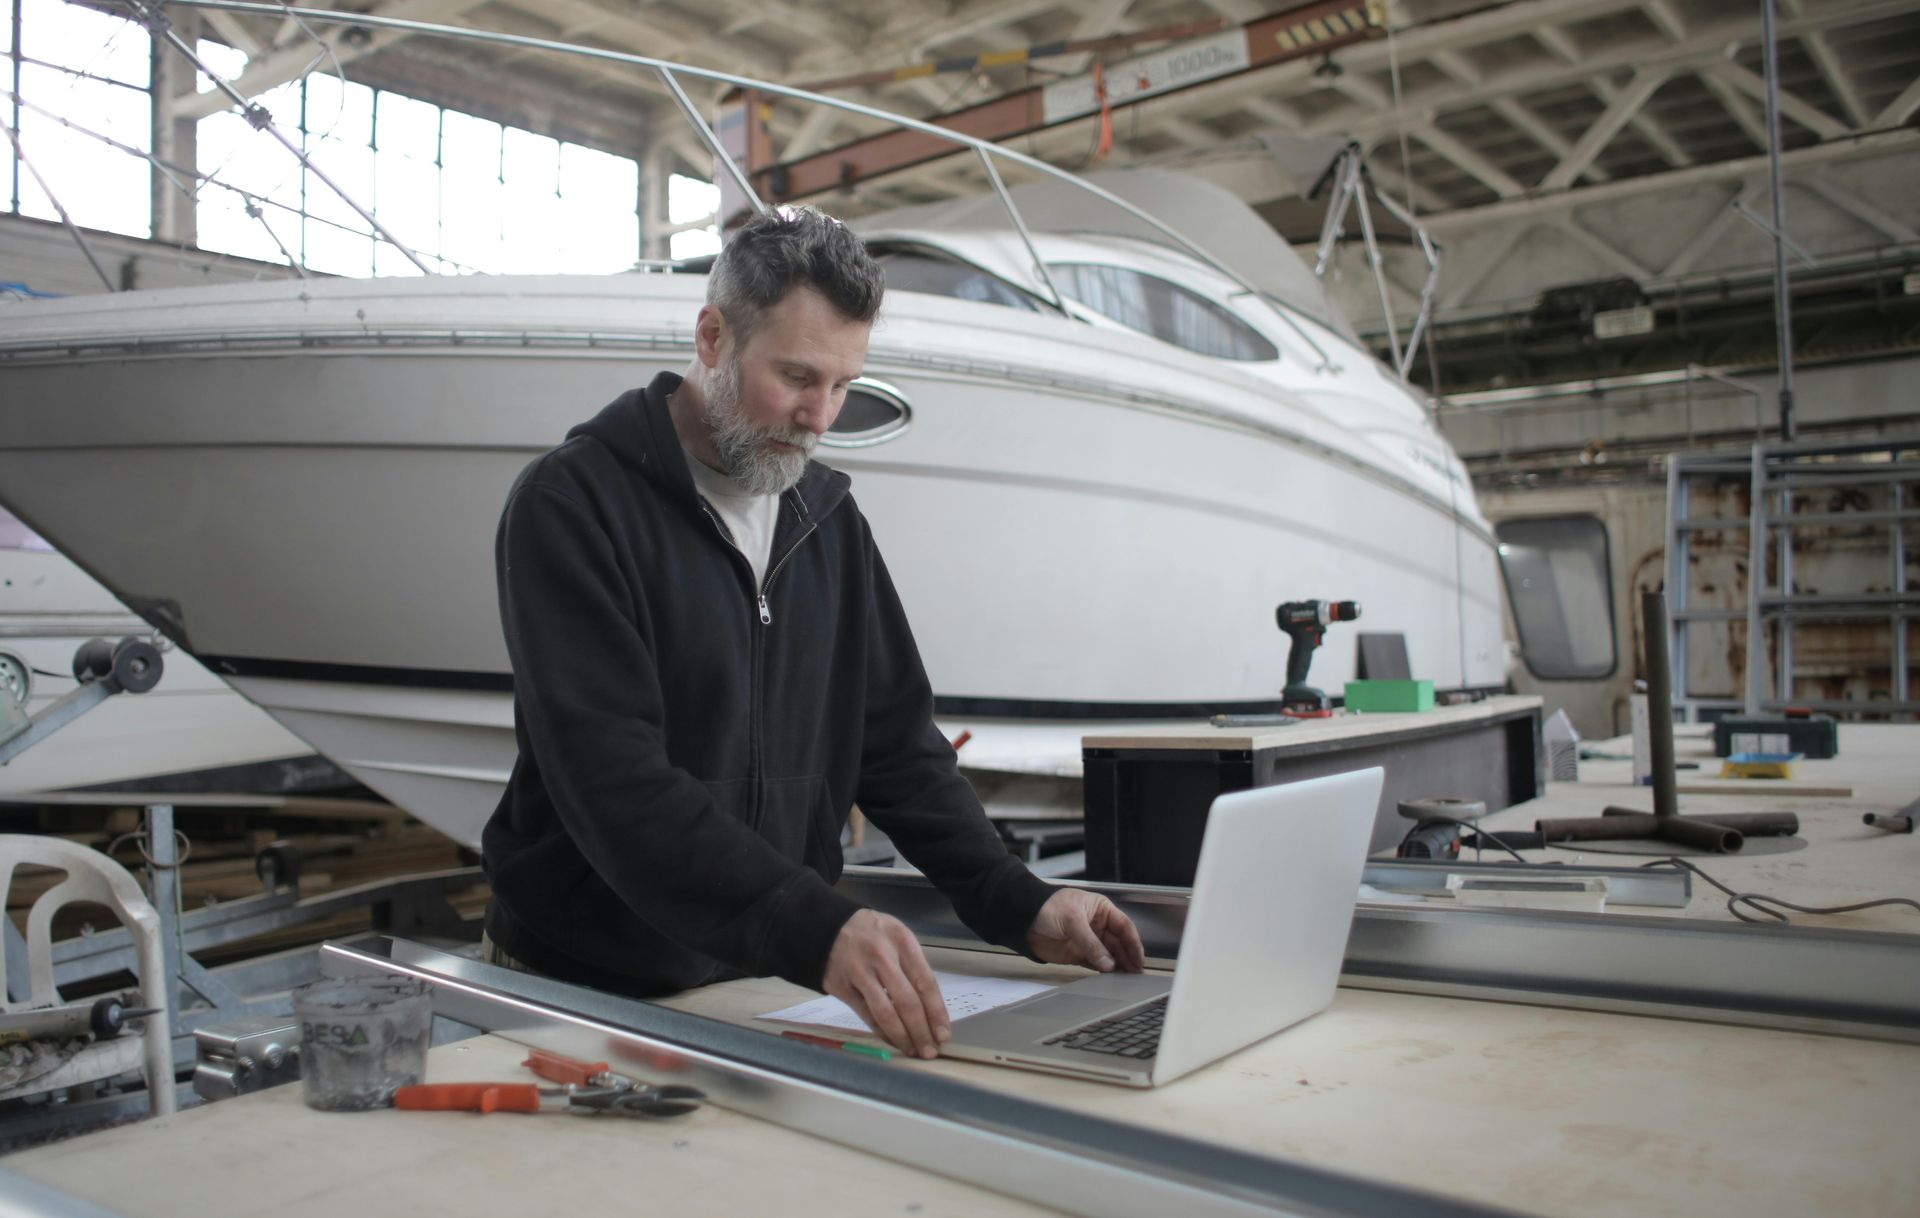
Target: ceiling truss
(1516, 115)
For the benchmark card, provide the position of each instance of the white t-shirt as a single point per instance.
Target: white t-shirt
(750, 518)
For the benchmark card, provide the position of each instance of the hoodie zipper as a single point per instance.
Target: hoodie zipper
(766, 614)
(756, 663)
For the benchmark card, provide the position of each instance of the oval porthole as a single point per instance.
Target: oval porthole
(873, 413)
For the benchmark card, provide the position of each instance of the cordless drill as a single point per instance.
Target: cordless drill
(1306, 624)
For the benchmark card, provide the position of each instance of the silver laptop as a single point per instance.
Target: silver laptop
(1265, 935)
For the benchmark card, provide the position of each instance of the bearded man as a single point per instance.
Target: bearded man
(711, 668)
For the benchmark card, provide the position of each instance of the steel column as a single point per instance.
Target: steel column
(163, 882)
(1679, 572)
(1897, 621)
(1782, 304)
(1783, 628)
(1756, 575)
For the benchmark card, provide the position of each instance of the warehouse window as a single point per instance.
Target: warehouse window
(1163, 309)
(1559, 583)
(691, 211)
(462, 192)
(91, 69)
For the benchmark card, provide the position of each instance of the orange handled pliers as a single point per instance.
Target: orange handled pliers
(587, 1088)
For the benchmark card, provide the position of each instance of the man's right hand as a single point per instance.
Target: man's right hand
(877, 968)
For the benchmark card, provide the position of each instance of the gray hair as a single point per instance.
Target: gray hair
(791, 247)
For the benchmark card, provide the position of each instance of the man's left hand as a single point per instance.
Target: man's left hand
(1080, 927)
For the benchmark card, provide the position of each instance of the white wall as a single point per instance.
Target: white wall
(44, 257)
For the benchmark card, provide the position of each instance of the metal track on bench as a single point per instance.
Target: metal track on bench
(1047, 1155)
(1804, 979)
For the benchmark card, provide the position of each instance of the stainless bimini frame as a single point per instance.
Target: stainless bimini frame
(1351, 187)
(154, 15)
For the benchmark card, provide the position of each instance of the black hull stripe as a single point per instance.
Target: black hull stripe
(360, 674)
(958, 707)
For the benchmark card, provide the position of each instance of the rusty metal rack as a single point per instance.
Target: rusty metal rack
(1885, 472)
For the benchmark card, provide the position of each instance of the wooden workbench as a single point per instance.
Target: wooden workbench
(1547, 1111)
(1845, 861)
(1544, 1111)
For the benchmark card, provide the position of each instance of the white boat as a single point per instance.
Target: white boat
(189, 732)
(1093, 484)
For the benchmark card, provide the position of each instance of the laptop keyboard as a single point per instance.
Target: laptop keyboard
(1135, 1034)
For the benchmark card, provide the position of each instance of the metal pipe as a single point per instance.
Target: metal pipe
(1782, 305)
(261, 120)
(73, 230)
(175, 171)
(1432, 254)
(375, 21)
(1334, 222)
(1626, 824)
(1898, 622)
(1020, 226)
(163, 881)
(1756, 574)
(1587, 387)
(1783, 629)
(1653, 629)
(1758, 824)
(1378, 264)
(1679, 574)
(711, 140)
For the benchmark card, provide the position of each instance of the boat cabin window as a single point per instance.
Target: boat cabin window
(1163, 309)
(1559, 582)
(874, 411)
(912, 271)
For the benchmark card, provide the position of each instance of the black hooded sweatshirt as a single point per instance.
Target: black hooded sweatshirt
(690, 746)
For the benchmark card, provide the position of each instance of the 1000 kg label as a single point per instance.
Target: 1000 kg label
(337, 1035)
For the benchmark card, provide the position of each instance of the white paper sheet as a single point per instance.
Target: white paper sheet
(964, 996)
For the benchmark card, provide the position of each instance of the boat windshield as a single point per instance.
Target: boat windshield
(1210, 216)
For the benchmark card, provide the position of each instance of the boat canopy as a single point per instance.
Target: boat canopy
(1208, 215)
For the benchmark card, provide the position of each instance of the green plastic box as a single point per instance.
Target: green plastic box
(1389, 695)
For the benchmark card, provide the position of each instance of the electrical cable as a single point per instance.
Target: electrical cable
(1760, 901)
(186, 849)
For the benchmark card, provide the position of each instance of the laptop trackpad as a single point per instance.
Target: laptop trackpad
(1066, 1010)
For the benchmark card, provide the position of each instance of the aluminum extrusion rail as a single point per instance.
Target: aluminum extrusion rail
(1663, 887)
(1047, 1155)
(1805, 979)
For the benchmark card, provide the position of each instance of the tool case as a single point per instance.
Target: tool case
(1815, 737)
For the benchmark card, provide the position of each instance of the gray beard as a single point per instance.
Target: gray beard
(747, 454)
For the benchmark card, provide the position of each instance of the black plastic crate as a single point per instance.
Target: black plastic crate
(1815, 737)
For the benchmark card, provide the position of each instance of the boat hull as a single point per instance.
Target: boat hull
(1079, 528)
(189, 732)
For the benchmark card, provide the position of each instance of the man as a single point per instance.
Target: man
(711, 667)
